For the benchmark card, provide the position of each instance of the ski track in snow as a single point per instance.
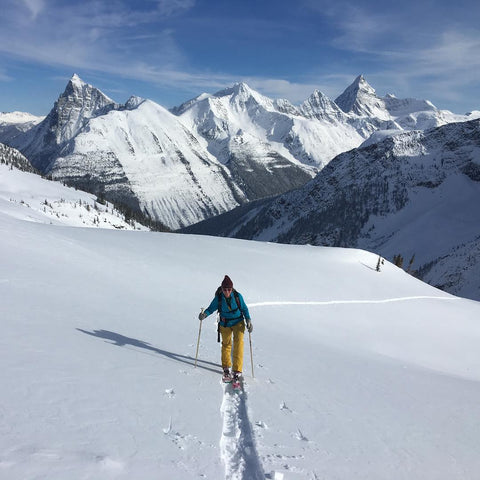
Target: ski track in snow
(341, 302)
(237, 444)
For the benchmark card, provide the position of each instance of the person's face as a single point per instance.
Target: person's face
(227, 292)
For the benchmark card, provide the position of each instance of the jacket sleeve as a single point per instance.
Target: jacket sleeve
(213, 307)
(243, 307)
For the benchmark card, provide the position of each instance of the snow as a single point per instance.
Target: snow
(7, 118)
(358, 373)
(30, 197)
(379, 136)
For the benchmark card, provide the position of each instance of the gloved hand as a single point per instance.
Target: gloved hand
(202, 315)
(249, 326)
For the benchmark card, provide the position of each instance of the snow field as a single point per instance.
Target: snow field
(99, 331)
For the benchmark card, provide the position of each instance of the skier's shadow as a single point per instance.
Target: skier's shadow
(123, 341)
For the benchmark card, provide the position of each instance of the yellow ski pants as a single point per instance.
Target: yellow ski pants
(237, 331)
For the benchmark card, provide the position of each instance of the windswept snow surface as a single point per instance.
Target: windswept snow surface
(359, 374)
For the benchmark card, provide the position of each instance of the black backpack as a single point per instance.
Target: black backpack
(218, 294)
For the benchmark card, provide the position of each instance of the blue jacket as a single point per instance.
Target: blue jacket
(230, 312)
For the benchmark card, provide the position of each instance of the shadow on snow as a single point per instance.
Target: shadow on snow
(123, 341)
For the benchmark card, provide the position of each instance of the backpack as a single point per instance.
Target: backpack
(218, 294)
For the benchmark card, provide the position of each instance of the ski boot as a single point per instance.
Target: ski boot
(227, 376)
(236, 380)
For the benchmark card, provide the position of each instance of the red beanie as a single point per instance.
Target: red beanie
(227, 283)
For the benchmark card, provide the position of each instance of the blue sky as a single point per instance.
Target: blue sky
(172, 50)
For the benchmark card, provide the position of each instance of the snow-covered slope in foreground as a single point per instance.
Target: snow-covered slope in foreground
(358, 374)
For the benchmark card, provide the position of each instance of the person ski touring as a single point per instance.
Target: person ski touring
(234, 315)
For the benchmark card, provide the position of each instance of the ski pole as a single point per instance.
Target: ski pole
(251, 353)
(198, 341)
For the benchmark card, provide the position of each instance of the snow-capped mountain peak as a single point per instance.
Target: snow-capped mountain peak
(242, 96)
(189, 103)
(318, 105)
(79, 101)
(360, 98)
(133, 102)
(75, 79)
(240, 88)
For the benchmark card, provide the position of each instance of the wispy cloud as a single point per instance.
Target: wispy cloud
(93, 35)
(174, 7)
(34, 7)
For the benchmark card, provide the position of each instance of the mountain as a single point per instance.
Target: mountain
(413, 194)
(360, 99)
(13, 124)
(98, 353)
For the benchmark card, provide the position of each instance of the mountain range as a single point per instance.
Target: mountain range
(209, 155)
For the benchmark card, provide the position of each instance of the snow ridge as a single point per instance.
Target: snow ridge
(237, 444)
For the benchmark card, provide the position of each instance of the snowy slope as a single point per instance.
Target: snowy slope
(358, 374)
(27, 196)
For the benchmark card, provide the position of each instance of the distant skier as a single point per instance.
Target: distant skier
(233, 316)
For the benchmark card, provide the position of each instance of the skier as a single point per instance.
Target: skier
(233, 315)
